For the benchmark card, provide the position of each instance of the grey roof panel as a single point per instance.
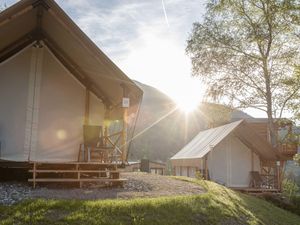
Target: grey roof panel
(205, 141)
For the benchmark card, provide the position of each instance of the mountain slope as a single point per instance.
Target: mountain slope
(162, 129)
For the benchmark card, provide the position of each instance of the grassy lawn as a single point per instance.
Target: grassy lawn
(218, 206)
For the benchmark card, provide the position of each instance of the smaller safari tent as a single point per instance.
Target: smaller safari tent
(54, 80)
(226, 155)
(147, 166)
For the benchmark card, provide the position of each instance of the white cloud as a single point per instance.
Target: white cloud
(136, 36)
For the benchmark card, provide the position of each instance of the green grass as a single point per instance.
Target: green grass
(218, 205)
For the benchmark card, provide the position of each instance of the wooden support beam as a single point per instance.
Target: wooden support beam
(205, 167)
(124, 135)
(16, 46)
(105, 135)
(125, 127)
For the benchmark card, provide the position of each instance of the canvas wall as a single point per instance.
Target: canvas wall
(43, 108)
(13, 102)
(229, 163)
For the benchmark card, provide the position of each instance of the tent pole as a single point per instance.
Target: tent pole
(124, 128)
(124, 133)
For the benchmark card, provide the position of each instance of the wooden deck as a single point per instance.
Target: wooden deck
(14, 165)
(75, 172)
(255, 190)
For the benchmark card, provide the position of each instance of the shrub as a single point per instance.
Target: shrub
(289, 188)
(199, 175)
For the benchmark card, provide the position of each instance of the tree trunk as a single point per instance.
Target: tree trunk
(273, 136)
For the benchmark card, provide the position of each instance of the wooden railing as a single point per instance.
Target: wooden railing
(114, 144)
(269, 181)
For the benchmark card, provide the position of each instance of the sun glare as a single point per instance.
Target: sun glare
(169, 71)
(190, 96)
(187, 106)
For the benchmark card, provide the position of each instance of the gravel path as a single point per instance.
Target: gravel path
(138, 185)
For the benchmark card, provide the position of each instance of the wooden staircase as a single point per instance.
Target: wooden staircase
(105, 174)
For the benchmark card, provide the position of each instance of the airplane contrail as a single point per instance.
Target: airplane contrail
(164, 9)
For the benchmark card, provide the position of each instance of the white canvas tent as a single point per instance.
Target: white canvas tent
(227, 152)
(53, 79)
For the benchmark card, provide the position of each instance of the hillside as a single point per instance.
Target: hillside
(218, 205)
(162, 129)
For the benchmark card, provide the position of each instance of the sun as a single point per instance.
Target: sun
(190, 95)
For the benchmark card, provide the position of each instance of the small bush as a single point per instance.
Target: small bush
(199, 175)
(289, 188)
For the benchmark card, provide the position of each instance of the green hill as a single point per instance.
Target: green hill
(218, 205)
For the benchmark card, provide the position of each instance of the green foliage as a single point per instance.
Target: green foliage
(199, 175)
(284, 203)
(218, 205)
(290, 189)
(245, 51)
(297, 158)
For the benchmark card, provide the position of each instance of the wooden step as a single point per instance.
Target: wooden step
(76, 180)
(74, 171)
(75, 163)
(108, 173)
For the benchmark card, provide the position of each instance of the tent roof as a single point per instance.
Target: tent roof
(206, 140)
(30, 20)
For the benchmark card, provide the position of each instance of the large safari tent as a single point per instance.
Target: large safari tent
(54, 80)
(229, 154)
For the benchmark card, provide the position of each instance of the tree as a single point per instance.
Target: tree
(245, 51)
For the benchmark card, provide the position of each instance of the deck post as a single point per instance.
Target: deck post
(280, 166)
(206, 169)
(34, 174)
(278, 174)
(105, 135)
(125, 119)
(124, 136)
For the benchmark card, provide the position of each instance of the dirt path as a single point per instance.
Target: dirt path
(138, 185)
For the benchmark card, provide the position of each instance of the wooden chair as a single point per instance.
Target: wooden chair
(256, 180)
(92, 139)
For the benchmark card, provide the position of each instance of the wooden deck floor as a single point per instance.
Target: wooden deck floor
(255, 190)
